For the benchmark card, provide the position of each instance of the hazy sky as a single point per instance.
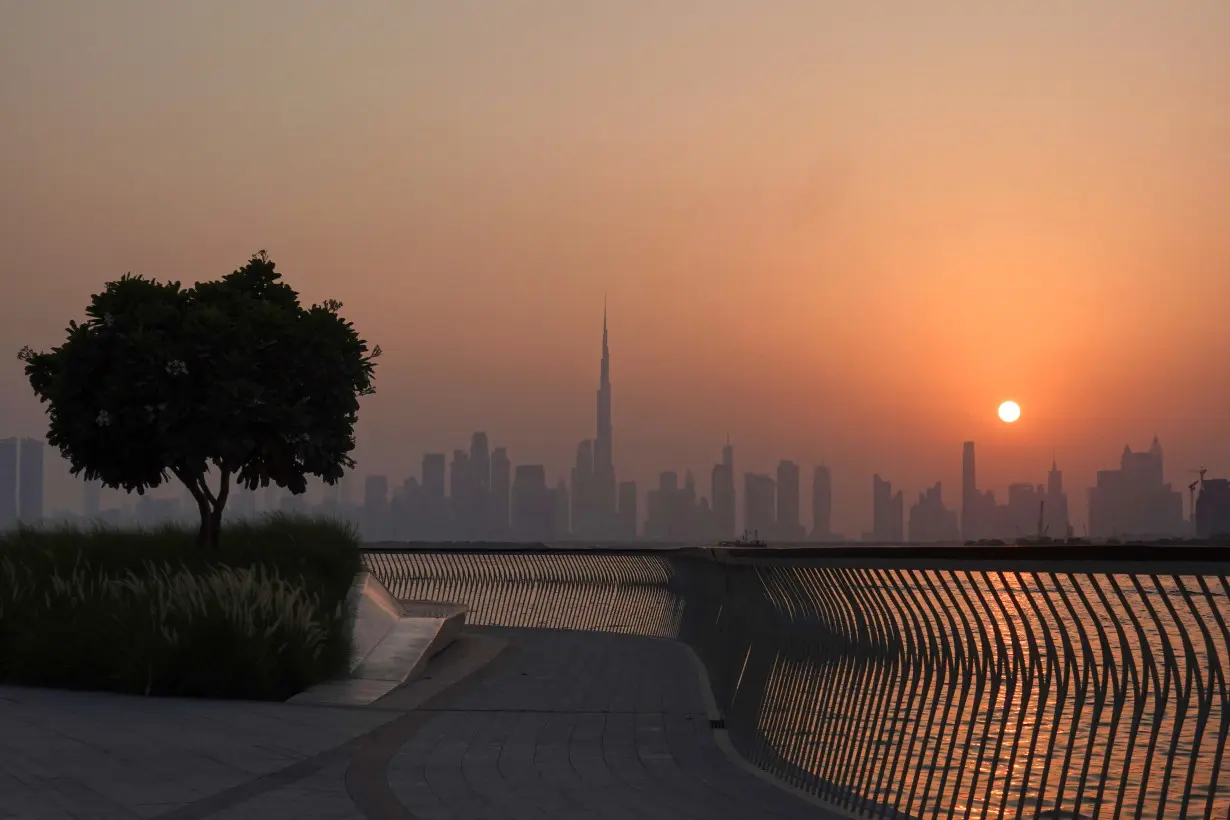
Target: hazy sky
(835, 230)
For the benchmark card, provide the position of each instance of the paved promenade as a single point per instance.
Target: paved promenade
(553, 725)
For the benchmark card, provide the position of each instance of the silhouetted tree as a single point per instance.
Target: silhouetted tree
(164, 380)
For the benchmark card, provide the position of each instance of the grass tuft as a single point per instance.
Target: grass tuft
(145, 611)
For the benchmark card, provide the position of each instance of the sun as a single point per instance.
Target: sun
(1009, 411)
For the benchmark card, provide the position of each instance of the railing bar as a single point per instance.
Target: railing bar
(954, 653)
(995, 653)
(919, 680)
(971, 677)
(885, 658)
(1066, 664)
(1161, 686)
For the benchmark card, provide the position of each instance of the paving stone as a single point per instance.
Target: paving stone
(576, 725)
(566, 725)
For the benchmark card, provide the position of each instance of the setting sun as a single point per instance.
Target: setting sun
(1009, 411)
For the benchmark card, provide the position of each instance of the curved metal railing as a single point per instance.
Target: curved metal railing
(917, 683)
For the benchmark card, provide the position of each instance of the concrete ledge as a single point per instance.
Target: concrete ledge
(394, 640)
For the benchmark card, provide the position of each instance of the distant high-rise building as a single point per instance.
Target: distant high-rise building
(888, 512)
(722, 490)
(478, 489)
(433, 517)
(480, 462)
(971, 527)
(673, 512)
(433, 474)
(759, 504)
(602, 491)
(688, 514)
(821, 504)
(458, 477)
(1134, 501)
(1057, 521)
(627, 510)
(501, 491)
(8, 483)
(406, 511)
(1022, 515)
(533, 504)
(1213, 508)
(30, 482)
(91, 498)
(583, 513)
(788, 526)
(563, 512)
(459, 491)
(930, 520)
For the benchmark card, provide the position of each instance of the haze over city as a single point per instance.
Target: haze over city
(835, 233)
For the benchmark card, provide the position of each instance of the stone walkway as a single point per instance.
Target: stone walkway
(581, 725)
(558, 725)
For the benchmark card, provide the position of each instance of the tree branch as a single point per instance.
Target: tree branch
(205, 491)
(224, 488)
(193, 485)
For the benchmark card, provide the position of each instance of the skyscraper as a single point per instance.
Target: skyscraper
(971, 527)
(1135, 501)
(887, 512)
(433, 475)
(1056, 517)
(723, 493)
(458, 482)
(533, 504)
(480, 462)
(821, 504)
(603, 491)
(479, 524)
(30, 482)
(501, 489)
(788, 527)
(8, 483)
(563, 511)
(627, 510)
(434, 519)
(582, 518)
(930, 520)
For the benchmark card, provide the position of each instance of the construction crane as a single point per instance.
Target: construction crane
(1191, 492)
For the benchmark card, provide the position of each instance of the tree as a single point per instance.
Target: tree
(163, 380)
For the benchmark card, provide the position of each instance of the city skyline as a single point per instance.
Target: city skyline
(489, 497)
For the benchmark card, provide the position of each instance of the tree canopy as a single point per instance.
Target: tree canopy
(163, 380)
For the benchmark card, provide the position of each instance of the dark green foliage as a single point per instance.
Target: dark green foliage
(233, 376)
(262, 616)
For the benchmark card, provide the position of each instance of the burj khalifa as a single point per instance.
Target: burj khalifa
(604, 464)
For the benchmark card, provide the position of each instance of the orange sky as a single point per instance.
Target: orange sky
(833, 231)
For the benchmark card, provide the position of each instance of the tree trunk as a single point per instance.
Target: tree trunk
(207, 535)
(209, 506)
(215, 525)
